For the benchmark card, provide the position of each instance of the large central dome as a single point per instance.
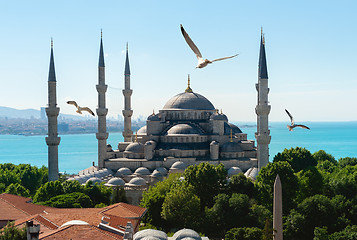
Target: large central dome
(189, 100)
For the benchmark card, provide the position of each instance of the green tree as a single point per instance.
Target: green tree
(265, 184)
(98, 193)
(10, 232)
(299, 158)
(245, 233)
(321, 156)
(70, 200)
(8, 177)
(207, 180)
(310, 183)
(241, 184)
(72, 186)
(153, 199)
(224, 213)
(344, 182)
(17, 189)
(347, 161)
(47, 191)
(30, 176)
(181, 207)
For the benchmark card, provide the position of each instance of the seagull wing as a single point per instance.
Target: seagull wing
(291, 117)
(191, 43)
(219, 59)
(88, 110)
(302, 126)
(73, 103)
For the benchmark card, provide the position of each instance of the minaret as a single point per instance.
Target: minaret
(127, 112)
(52, 112)
(278, 210)
(262, 109)
(102, 111)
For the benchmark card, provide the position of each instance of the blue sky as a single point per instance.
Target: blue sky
(310, 47)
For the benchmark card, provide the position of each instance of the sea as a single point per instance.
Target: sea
(79, 151)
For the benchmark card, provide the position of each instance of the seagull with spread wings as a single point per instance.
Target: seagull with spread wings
(80, 109)
(293, 125)
(201, 62)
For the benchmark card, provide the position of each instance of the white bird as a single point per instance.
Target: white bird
(293, 125)
(201, 62)
(80, 109)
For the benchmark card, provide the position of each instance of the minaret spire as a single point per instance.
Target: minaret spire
(262, 109)
(102, 111)
(52, 112)
(127, 92)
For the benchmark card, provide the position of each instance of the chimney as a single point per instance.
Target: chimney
(33, 231)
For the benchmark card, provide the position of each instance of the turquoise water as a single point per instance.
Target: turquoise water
(77, 152)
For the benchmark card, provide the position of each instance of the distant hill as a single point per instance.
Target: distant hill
(30, 113)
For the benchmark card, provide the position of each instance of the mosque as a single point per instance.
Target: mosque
(188, 130)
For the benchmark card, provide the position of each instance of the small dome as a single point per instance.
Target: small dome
(179, 165)
(150, 234)
(142, 131)
(252, 173)
(123, 172)
(137, 181)
(231, 147)
(115, 181)
(233, 171)
(135, 147)
(162, 170)
(189, 100)
(142, 171)
(153, 117)
(94, 180)
(217, 116)
(186, 234)
(156, 174)
(182, 129)
(74, 222)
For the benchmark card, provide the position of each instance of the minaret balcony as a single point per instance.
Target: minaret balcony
(53, 141)
(262, 110)
(102, 111)
(262, 138)
(127, 92)
(101, 88)
(102, 136)
(52, 111)
(127, 113)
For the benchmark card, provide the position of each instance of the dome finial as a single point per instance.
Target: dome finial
(217, 111)
(188, 89)
(231, 136)
(221, 111)
(136, 136)
(153, 112)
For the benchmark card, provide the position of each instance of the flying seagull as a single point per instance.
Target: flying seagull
(293, 125)
(80, 109)
(201, 62)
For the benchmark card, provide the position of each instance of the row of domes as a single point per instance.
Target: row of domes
(183, 234)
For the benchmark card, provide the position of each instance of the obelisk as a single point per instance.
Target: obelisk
(278, 210)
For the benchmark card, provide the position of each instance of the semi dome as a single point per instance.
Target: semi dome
(123, 171)
(233, 171)
(188, 100)
(142, 171)
(135, 147)
(182, 129)
(150, 234)
(186, 234)
(142, 131)
(136, 182)
(252, 173)
(116, 181)
(231, 147)
(230, 126)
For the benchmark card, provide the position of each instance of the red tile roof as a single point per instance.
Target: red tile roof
(125, 210)
(13, 207)
(76, 232)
